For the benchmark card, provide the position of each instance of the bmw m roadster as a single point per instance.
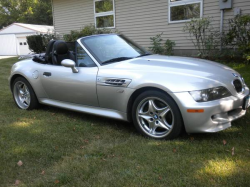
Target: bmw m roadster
(110, 75)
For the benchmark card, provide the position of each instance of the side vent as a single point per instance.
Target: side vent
(116, 82)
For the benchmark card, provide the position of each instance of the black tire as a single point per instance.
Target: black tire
(33, 99)
(175, 115)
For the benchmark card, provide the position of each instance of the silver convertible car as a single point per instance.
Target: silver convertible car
(111, 76)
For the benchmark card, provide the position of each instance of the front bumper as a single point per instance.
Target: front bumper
(217, 115)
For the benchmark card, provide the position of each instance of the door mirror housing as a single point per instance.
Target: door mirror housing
(70, 64)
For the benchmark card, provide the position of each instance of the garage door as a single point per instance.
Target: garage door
(8, 45)
(23, 46)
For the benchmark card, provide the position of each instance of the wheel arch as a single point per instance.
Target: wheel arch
(137, 92)
(13, 78)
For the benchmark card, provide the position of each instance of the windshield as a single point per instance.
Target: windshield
(112, 48)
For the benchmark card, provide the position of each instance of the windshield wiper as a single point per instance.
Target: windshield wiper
(116, 59)
(146, 54)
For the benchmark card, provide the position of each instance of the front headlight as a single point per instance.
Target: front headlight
(210, 94)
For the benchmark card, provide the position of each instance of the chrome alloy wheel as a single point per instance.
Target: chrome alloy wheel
(22, 95)
(155, 117)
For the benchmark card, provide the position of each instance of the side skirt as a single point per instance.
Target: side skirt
(86, 109)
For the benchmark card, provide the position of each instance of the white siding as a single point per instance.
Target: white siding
(138, 19)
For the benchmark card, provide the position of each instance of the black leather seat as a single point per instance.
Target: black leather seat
(48, 54)
(61, 52)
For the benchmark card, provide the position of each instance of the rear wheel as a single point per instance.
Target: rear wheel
(24, 95)
(156, 115)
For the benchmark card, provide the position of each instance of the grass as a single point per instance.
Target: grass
(64, 148)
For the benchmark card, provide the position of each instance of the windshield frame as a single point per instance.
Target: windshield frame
(81, 41)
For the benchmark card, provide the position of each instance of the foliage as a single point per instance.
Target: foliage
(238, 35)
(65, 148)
(157, 47)
(204, 37)
(156, 43)
(38, 43)
(248, 57)
(103, 6)
(87, 31)
(25, 11)
(169, 47)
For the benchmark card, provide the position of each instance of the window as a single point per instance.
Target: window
(82, 58)
(21, 43)
(104, 13)
(107, 47)
(24, 43)
(184, 10)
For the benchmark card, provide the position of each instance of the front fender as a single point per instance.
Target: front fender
(27, 69)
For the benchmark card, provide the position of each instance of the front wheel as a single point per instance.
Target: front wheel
(156, 115)
(24, 95)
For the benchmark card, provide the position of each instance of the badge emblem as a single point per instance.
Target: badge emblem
(155, 116)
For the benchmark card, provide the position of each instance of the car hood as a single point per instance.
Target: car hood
(192, 66)
(179, 73)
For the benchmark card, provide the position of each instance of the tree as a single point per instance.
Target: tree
(25, 11)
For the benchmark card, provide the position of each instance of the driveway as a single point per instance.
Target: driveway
(3, 57)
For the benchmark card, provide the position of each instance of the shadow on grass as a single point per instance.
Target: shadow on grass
(236, 131)
(112, 123)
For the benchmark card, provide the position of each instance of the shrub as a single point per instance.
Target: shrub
(156, 43)
(157, 47)
(38, 43)
(87, 31)
(169, 47)
(238, 35)
(202, 34)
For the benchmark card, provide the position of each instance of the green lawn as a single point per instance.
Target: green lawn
(64, 148)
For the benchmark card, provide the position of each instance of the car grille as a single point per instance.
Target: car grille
(238, 85)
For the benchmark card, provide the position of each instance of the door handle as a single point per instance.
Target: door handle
(47, 74)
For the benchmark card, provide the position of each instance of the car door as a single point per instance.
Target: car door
(61, 84)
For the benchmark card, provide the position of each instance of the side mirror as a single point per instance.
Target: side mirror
(70, 64)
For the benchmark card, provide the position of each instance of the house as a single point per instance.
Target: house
(142, 19)
(13, 38)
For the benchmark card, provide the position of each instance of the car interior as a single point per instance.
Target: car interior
(61, 52)
(56, 52)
